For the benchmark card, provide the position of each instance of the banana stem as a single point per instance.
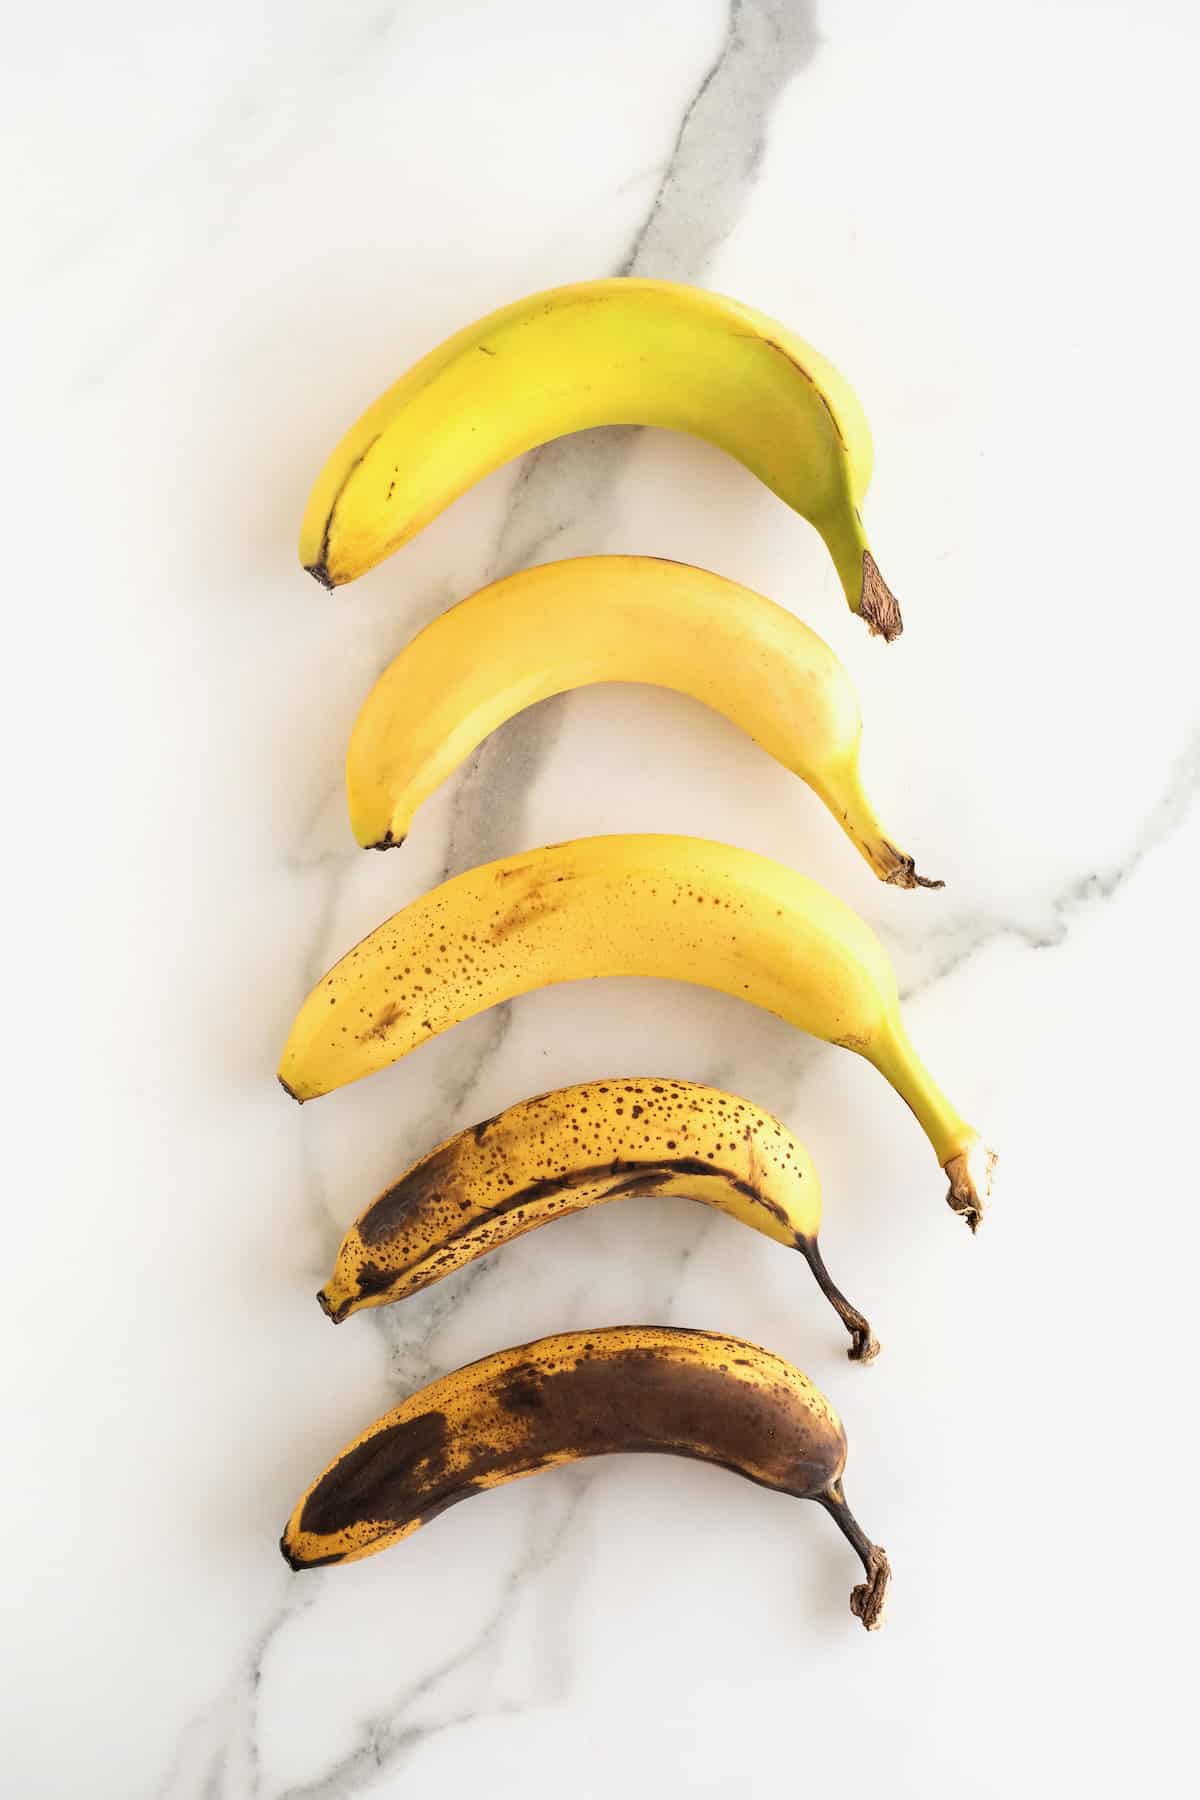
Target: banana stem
(959, 1148)
(970, 1183)
(867, 1599)
(867, 592)
(892, 1053)
(846, 798)
(864, 1345)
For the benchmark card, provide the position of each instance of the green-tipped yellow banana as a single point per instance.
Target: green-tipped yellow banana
(611, 618)
(584, 1393)
(651, 905)
(545, 1158)
(615, 352)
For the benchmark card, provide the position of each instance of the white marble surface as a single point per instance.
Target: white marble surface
(234, 224)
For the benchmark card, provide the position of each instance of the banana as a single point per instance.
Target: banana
(583, 1393)
(645, 904)
(617, 352)
(580, 1146)
(611, 618)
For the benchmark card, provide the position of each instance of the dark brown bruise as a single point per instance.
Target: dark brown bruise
(402, 1204)
(432, 1182)
(378, 1478)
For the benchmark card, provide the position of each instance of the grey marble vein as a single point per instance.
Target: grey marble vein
(721, 139)
(386, 1739)
(967, 936)
(231, 1765)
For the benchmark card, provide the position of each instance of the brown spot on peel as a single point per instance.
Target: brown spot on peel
(380, 1027)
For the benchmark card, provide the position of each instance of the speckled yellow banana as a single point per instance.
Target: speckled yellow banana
(580, 1394)
(611, 618)
(679, 907)
(545, 1158)
(615, 352)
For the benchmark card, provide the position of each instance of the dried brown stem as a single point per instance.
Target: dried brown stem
(877, 603)
(898, 869)
(868, 1598)
(970, 1175)
(864, 1345)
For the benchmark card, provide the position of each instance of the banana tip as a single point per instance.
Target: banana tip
(320, 572)
(386, 842)
(332, 1309)
(290, 1091)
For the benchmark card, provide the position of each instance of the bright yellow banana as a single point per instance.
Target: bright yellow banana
(653, 905)
(584, 1393)
(611, 618)
(577, 1147)
(615, 352)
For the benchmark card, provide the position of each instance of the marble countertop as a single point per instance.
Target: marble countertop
(234, 225)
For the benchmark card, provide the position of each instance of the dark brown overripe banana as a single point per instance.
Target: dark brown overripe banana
(583, 1393)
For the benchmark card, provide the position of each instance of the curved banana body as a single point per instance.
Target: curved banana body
(580, 1394)
(545, 1158)
(616, 352)
(611, 618)
(678, 907)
